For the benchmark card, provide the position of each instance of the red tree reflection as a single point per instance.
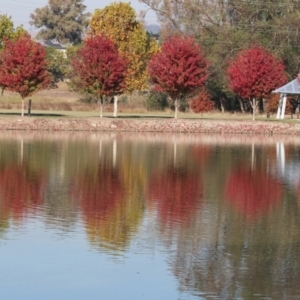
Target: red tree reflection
(202, 153)
(252, 192)
(20, 190)
(175, 194)
(98, 194)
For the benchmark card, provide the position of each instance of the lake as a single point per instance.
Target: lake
(149, 216)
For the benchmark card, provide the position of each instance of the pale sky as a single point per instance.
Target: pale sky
(20, 10)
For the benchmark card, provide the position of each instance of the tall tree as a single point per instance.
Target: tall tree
(118, 21)
(23, 67)
(179, 70)
(64, 21)
(99, 69)
(254, 73)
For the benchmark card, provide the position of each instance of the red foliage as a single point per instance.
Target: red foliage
(98, 197)
(179, 68)
(202, 154)
(100, 68)
(252, 192)
(202, 103)
(254, 73)
(19, 191)
(23, 66)
(176, 195)
(273, 101)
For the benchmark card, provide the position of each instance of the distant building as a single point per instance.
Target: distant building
(53, 44)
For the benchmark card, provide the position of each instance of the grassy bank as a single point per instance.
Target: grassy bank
(61, 102)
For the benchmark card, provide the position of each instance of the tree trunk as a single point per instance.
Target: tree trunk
(253, 105)
(176, 108)
(115, 106)
(22, 107)
(242, 105)
(222, 105)
(101, 106)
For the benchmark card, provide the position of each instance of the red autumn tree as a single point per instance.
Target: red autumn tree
(202, 103)
(23, 67)
(254, 73)
(252, 192)
(179, 69)
(100, 70)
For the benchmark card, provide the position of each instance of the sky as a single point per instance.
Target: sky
(20, 10)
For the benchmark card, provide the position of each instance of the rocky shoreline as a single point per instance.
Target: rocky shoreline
(149, 125)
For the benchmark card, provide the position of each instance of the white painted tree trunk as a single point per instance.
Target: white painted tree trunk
(101, 108)
(22, 107)
(115, 106)
(254, 105)
(176, 108)
(242, 106)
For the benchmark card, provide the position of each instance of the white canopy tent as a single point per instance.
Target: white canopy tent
(293, 87)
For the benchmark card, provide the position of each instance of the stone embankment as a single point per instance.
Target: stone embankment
(149, 125)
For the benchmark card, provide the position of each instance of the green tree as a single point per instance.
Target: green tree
(118, 21)
(58, 65)
(64, 21)
(8, 31)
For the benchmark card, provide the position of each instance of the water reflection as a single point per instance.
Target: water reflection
(21, 190)
(252, 192)
(225, 209)
(175, 194)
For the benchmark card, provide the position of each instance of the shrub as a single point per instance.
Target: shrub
(157, 101)
(202, 103)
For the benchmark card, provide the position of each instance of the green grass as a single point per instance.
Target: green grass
(6, 113)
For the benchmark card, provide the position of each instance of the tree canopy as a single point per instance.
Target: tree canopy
(23, 67)
(118, 21)
(179, 69)
(254, 73)
(64, 21)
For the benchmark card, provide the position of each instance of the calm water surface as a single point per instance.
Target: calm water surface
(108, 216)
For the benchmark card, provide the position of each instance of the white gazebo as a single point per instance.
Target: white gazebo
(293, 87)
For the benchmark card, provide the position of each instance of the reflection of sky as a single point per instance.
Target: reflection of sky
(288, 168)
(40, 264)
